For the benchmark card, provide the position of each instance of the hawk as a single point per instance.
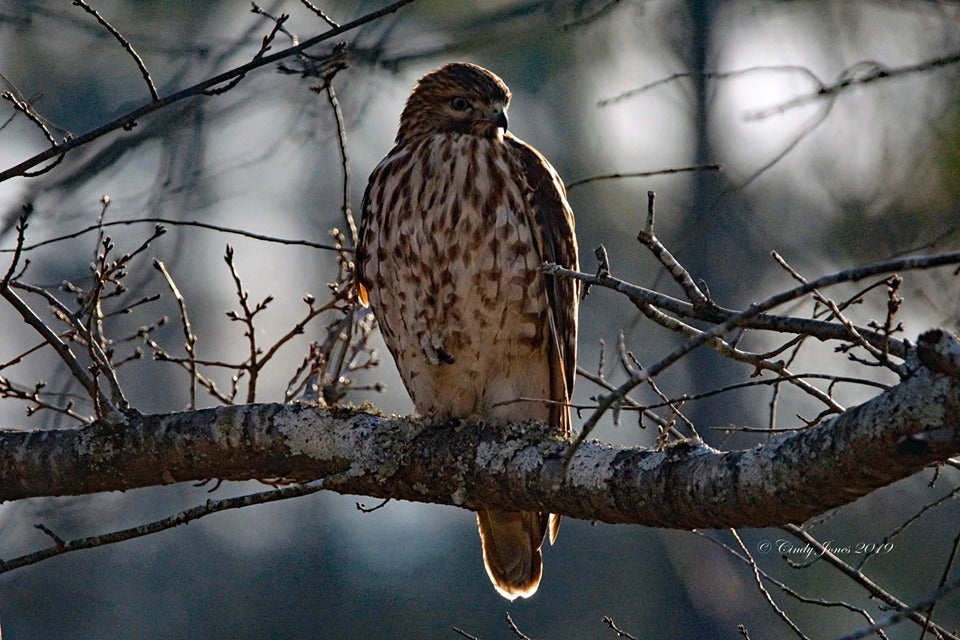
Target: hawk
(457, 220)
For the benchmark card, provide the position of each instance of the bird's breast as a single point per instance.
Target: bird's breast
(456, 277)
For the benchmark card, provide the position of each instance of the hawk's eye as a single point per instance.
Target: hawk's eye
(460, 104)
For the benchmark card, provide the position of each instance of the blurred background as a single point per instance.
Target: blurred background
(851, 177)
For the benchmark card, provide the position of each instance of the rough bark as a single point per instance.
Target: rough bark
(518, 466)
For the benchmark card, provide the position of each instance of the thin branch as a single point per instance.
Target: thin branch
(947, 568)
(264, 47)
(950, 497)
(903, 614)
(811, 125)
(36, 400)
(758, 581)
(24, 108)
(126, 45)
(821, 330)
(188, 334)
(344, 161)
(869, 585)
(210, 507)
(620, 632)
(297, 330)
(645, 412)
(77, 370)
(748, 559)
(727, 350)
(252, 366)
(644, 174)
(185, 223)
(859, 73)
(837, 313)
(160, 355)
(663, 255)
(130, 117)
(17, 359)
(909, 612)
(737, 319)
(17, 251)
(516, 630)
(711, 75)
(316, 10)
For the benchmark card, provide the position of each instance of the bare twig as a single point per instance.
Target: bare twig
(310, 369)
(17, 251)
(37, 399)
(875, 590)
(516, 630)
(25, 108)
(748, 559)
(87, 325)
(125, 120)
(825, 331)
(811, 125)
(674, 268)
(737, 319)
(859, 73)
(126, 45)
(210, 507)
(950, 497)
(947, 568)
(639, 377)
(620, 632)
(246, 317)
(758, 581)
(278, 27)
(628, 402)
(297, 330)
(78, 371)
(316, 10)
(727, 349)
(265, 45)
(344, 160)
(185, 223)
(909, 612)
(837, 313)
(644, 174)
(188, 335)
(711, 75)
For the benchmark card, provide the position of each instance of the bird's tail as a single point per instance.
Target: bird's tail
(511, 549)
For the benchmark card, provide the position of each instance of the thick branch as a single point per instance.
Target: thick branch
(790, 479)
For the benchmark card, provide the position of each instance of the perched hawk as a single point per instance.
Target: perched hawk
(457, 221)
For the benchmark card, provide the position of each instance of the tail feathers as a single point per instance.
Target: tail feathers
(511, 550)
(554, 528)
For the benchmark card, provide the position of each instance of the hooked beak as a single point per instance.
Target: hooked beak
(501, 120)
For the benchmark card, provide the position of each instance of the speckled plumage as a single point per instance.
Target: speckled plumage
(457, 220)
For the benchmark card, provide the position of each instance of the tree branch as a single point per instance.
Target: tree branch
(517, 466)
(128, 119)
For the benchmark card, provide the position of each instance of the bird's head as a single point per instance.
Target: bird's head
(456, 98)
